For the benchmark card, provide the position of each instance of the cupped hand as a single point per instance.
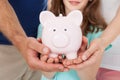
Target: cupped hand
(88, 68)
(97, 45)
(91, 56)
(30, 48)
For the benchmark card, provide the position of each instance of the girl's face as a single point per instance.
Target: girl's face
(74, 5)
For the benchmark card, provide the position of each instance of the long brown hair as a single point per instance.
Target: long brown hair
(91, 15)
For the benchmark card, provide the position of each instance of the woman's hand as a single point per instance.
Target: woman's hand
(89, 66)
(92, 54)
(97, 45)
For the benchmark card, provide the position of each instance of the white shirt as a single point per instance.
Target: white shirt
(111, 58)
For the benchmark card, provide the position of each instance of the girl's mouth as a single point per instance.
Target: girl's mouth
(74, 3)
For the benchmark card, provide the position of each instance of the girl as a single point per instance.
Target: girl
(92, 24)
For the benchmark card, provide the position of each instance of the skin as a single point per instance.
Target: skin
(66, 62)
(92, 56)
(84, 73)
(69, 6)
(99, 44)
(28, 46)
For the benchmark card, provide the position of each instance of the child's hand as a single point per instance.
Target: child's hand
(47, 59)
(78, 60)
(49, 67)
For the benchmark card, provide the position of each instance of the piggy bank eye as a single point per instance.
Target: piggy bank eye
(54, 30)
(65, 29)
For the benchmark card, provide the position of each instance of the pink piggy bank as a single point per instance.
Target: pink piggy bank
(62, 34)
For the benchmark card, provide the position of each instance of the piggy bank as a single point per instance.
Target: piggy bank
(62, 34)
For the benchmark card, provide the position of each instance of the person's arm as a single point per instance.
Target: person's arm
(112, 31)
(93, 55)
(9, 24)
(28, 46)
(109, 34)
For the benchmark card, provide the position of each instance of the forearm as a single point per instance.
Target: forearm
(112, 31)
(90, 72)
(86, 76)
(9, 24)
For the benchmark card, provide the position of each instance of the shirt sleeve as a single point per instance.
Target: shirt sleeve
(39, 33)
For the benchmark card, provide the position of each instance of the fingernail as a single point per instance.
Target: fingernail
(45, 50)
(60, 68)
(84, 57)
(65, 70)
(69, 67)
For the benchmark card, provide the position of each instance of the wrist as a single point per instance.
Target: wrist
(19, 41)
(86, 76)
(104, 42)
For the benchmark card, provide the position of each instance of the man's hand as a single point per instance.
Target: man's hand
(30, 49)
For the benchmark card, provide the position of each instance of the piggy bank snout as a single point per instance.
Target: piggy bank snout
(60, 40)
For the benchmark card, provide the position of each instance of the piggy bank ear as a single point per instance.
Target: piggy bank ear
(75, 17)
(46, 17)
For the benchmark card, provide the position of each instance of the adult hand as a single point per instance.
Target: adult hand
(87, 69)
(94, 52)
(96, 46)
(28, 46)
(30, 49)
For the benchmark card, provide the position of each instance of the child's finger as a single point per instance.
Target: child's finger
(64, 62)
(39, 40)
(44, 58)
(70, 62)
(84, 43)
(50, 60)
(67, 62)
(60, 57)
(56, 60)
(77, 61)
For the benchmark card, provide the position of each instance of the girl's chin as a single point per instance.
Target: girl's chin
(74, 9)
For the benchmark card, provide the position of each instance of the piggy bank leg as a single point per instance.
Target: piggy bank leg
(72, 55)
(53, 55)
